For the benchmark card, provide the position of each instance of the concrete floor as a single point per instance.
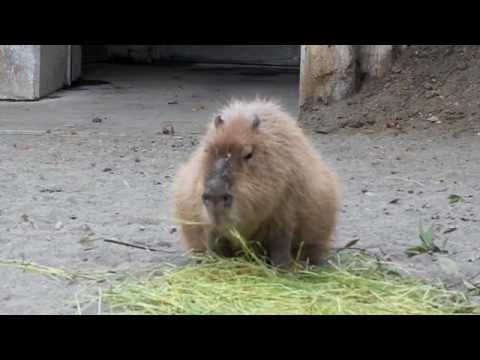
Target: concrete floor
(138, 96)
(64, 191)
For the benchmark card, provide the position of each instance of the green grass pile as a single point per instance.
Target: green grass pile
(354, 284)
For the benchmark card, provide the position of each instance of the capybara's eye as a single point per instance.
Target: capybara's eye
(248, 156)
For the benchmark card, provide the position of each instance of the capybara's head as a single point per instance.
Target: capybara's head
(240, 178)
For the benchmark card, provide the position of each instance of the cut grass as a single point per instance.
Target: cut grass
(352, 283)
(44, 270)
(356, 284)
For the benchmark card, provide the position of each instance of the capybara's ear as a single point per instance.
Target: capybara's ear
(218, 121)
(256, 122)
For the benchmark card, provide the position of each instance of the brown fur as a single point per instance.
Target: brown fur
(284, 196)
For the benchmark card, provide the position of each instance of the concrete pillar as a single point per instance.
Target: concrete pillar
(76, 62)
(30, 72)
(333, 72)
(19, 72)
(327, 73)
(53, 68)
(376, 60)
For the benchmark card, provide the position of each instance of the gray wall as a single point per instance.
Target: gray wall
(29, 72)
(94, 53)
(53, 68)
(19, 70)
(76, 62)
(285, 55)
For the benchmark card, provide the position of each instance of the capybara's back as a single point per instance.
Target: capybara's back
(256, 171)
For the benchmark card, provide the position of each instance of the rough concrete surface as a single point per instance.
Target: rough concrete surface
(19, 71)
(104, 170)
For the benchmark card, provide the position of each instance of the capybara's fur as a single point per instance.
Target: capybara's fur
(284, 196)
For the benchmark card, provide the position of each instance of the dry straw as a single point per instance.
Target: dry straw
(352, 283)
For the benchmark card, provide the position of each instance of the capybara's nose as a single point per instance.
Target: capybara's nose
(215, 199)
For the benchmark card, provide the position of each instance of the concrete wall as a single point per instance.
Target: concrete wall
(94, 53)
(19, 72)
(335, 72)
(327, 73)
(76, 62)
(53, 68)
(30, 72)
(284, 55)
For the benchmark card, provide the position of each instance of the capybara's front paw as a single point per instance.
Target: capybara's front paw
(282, 261)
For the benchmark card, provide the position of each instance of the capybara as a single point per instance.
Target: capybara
(256, 171)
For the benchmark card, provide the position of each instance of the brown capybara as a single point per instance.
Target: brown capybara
(256, 171)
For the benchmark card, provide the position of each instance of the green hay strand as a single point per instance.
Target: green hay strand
(243, 287)
(352, 283)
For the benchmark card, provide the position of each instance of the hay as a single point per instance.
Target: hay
(352, 283)
(49, 271)
(355, 284)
